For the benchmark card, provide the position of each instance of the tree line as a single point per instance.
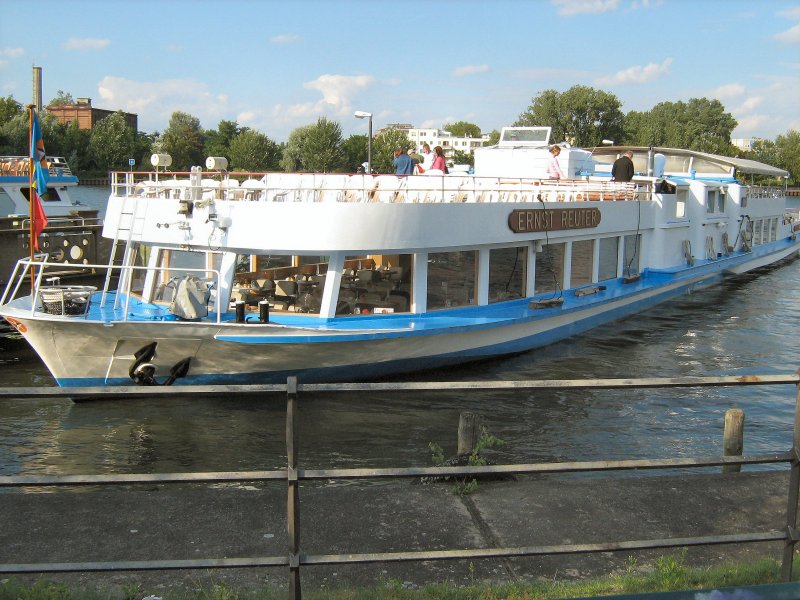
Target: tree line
(582, 115)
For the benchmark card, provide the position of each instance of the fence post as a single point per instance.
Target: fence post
(469, 431)
(794, 489)
(733, 437)
(293, 500)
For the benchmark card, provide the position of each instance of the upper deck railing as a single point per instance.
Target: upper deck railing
(18, 166)
(358, 188)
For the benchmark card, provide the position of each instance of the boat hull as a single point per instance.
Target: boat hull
(80, 352)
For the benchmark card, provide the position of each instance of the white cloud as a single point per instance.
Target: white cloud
(157, 100)
(286, 38)
(569, 8)
(470, 70)
(637, 74)
(337, 93)
(749, 104)
(791, 13)
(790, 36)
(11, 52)
(83, 44)
(247, 117)
(731, 90)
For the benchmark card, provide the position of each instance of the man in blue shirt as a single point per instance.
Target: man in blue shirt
(403, 165)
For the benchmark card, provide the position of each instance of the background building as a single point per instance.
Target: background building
(86, 115)
(745, 144)
(438, 137)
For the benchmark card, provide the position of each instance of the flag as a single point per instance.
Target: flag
(40, 176)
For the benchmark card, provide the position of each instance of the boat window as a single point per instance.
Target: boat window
(720, 201)
(775, 229)
(507, 273)
(51, 195)
(609, 253)
(451, 279)
(680, 204)
(677, 164)
(631, 255)
(550, 268)
(581, 264)
(704, 165)
(379, 283)
(268, 261)
(757, 232)
(711, 201)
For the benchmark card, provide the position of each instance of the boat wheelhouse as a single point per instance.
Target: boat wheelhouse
(221, 277)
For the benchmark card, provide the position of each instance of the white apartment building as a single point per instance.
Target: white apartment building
(438, 137)
(745, 143)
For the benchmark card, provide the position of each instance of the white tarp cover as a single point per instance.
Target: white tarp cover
(191, 299)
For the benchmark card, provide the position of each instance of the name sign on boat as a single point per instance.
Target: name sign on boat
(529, 220)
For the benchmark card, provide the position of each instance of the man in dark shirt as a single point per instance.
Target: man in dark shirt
(622, 170)
(403, 165)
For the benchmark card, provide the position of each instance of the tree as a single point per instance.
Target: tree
(788, 149)
(14, 136)
(700, 124)
(144, 143)
(112, 142)
(384, 146)
(218, 141)
(253, 151)
(463, 129)
(61, 99)
(494, 137)
(582, 115)
(322, 150)
(354, 151)
(183, 140)
(9, 108)
(292, 159)
(77, 149)
(463, 158)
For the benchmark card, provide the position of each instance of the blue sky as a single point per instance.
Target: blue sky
(274, 65)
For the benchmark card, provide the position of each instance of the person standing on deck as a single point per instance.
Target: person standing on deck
(553, 168)
(403, 165)
(622, 169)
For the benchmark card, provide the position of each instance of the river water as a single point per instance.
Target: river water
(746, 326)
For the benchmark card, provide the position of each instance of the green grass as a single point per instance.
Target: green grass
(669, 574)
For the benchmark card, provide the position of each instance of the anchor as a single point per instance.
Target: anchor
(143, 372)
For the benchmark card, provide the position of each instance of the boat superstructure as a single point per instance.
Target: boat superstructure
(73, 234)
(221, 277)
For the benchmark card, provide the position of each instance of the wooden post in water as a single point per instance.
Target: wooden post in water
(469, 432)
(733, 438)
(293, 499)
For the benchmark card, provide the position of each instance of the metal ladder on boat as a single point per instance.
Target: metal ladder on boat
(124, 233)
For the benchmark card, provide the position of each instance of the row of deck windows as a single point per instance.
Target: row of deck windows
(383, 283)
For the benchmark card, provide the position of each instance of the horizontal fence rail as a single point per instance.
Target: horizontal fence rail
(293, 475)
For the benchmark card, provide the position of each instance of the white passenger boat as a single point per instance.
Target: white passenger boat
(73, 234)
(243, 278)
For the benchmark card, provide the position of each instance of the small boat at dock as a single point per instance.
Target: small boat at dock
(231, 278)
(73, 235)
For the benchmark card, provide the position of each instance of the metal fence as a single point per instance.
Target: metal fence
(295, 559)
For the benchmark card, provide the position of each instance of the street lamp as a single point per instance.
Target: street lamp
(360, 114)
